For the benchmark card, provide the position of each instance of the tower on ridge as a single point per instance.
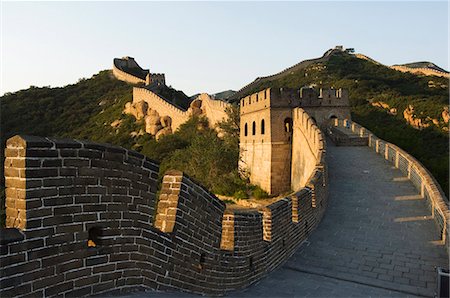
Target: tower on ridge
(266, 130)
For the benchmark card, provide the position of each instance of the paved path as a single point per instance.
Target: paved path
(376, 238)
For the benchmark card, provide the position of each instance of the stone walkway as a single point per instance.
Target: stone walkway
(376, 239)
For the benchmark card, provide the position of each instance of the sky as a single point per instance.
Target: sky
(208, 46)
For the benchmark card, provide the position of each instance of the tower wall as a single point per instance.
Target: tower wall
(266, 156)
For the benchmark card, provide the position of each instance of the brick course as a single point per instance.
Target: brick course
(57, 190)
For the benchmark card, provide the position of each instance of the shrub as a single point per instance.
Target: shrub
(240, 194)
(259, 193)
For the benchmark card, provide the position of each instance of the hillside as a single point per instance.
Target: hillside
(423, 64)
(92, 109)
(371, 83)
(84, 110)
(224, 95)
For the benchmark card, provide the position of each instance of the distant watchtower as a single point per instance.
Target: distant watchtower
(265, 137)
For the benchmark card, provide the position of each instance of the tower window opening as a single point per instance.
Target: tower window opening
(253, 128)
(288, 125)
(245, 129)
(262, 127)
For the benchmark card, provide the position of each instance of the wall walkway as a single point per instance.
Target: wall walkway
(377, 237)
(63, 196)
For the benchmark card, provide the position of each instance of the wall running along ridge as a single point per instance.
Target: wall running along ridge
(59, 192)
(163, 107)
(421, 178)
(213, 110)
(422, 71)
(126, 77)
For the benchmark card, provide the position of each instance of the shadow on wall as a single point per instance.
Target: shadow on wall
(420, 177)
(83, 219)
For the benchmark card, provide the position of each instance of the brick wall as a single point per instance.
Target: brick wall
(63, 193)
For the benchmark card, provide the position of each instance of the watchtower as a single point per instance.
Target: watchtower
(265, 138)
(266, 130)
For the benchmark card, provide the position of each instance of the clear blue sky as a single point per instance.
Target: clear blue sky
(208, 46)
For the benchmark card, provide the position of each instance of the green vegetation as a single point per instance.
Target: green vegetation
(423, 64)
(259, 193)
(87, 110)
(429, 145)
(65, 111)
(368, 82)
(197, 150)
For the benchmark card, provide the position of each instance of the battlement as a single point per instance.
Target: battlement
(287, 97)
(270, 97)
(155, 78)
(128, 70)
(83, 219)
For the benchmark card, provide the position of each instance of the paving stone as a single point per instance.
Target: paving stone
(359, 249)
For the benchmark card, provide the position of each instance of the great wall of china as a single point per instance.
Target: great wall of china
(402, 68)
(160, 110)
(85, 219)
(421, 178)
(61, 194)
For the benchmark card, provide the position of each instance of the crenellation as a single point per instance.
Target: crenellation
(272, 131)
(194, 244)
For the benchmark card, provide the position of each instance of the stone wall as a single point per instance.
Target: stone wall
(124, 76)
(422, 179)
(308, 148)
(163, 107)
(83, 219)
(422, 71)
(213, 109)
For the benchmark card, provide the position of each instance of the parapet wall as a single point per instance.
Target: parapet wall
(83, 219)
(422, 179)
(124, 76)
(421, 70)
(163, 107)
(308, 149)
(213, 109)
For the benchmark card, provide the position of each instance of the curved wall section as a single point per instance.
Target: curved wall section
(124, 76)
(421, 178)
(308, 148)
(83, 219)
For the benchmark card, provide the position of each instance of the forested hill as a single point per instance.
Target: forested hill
(370, 83)
(89, 109)
(71, 111)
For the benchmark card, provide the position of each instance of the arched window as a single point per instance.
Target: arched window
(245, 129)
(253, 128)
(288, 125)
(333, 117)
(262, 127)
